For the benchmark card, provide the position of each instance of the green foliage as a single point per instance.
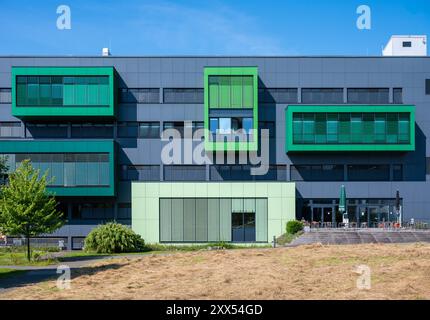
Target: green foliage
(113, 238)
(294, 226)
(3, 168)
(26, 208)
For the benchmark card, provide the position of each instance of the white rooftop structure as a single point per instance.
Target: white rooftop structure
(407, 45)
(105, 52)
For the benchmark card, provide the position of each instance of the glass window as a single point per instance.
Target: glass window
(46, 130)
(325, 172)
(322, 95)
(368, 172)
(128, 129)
(397, 95)
(10, 129)
(5, 95)
(177, 125)
(185, 173)
(71, 169)
(198, 125)
(183, 95)
(243, 226)
(277, 95)
(397, 172)
(139, 95)
(140, 173)
(231, 92)
(247, 125)
(224, 126)
(92, 130)
(213, 125)
(347, 128)
(427, 86)
(149, 130)
(368, 95)
(59, 91)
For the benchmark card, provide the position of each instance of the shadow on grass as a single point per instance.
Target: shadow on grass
(24, 278)
(83, 258)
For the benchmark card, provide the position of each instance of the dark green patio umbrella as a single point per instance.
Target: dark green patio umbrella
(342, 199)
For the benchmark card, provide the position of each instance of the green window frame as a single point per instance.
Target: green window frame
(43, 92)
(350, 128)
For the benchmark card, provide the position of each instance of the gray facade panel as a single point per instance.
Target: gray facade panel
(274, 72)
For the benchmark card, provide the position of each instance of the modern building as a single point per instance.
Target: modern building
(96, 123)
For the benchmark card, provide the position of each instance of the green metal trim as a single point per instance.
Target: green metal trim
(292, 147)
(69, 146)
(38, 112)
(235, 71)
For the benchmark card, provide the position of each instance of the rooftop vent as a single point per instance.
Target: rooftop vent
(105, 52)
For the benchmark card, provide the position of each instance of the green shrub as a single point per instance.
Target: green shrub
(294, 226)
(113, 238)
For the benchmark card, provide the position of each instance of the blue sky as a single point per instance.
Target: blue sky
(216, 27)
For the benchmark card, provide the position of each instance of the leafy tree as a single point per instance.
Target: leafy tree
(26, 208)
(3, 169)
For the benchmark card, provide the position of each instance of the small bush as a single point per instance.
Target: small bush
(113, 238)
(294, 226)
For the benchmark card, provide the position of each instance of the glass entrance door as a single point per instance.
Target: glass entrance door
(373, 216)
(243, 226)
(322, 214)
(316, 214)
(327, 214)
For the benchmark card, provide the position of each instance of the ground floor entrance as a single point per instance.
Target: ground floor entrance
(360, 212)
(243, 227)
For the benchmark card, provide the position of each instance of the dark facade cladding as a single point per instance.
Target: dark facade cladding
(367, 128)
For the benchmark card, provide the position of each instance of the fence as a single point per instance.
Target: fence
(418, 225)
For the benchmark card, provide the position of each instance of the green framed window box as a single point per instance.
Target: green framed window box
(350, 128)
(77, 92)
(231, 108)
(77, 168)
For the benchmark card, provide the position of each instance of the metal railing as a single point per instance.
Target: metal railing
(418, 225)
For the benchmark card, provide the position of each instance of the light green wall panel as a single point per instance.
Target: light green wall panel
(189, 220)
(249, 205)
(237, 205)
(261, 220)
(177, 220)
(225, 219)
(248, 92)
(213, 219)
(202, 220)
(165, 219)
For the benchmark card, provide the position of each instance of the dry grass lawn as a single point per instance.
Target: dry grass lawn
(399, 271)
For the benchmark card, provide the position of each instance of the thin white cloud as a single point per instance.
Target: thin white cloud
(215, 29)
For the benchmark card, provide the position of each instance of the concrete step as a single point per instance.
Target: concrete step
(361, 236)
